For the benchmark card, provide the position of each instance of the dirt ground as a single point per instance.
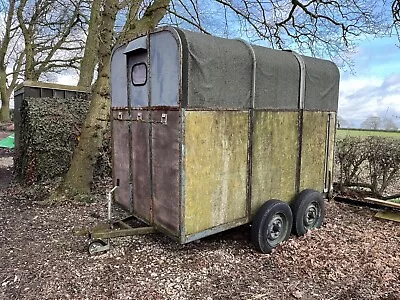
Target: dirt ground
(353, 256)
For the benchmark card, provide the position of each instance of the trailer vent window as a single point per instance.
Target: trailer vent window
(139, 74)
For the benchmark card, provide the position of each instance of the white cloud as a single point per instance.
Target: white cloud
(370, 96)
(68, 79)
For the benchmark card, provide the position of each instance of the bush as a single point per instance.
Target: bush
(372, 162)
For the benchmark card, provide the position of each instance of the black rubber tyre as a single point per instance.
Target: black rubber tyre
(308, 211)
(271, 225)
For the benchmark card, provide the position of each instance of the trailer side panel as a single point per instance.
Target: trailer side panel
(216, 168)
(274, 157)
(313, 154)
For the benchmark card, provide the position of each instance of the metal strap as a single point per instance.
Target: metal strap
(327, 179)
(253, 83)
(251, 130)
(302, 79)
(302, 95)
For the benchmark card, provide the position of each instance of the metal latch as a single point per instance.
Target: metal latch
(164, 119)
(119, 116)
(139, 117)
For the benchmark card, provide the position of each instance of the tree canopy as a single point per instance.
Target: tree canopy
(316, 27)
(40, 37)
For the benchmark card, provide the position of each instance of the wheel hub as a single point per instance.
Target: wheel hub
(276, 230)
(312, 215)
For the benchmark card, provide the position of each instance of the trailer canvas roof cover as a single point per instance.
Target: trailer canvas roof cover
(217, 73)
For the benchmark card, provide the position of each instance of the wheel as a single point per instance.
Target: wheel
(271, 225)
(308, 211)
(95, 246)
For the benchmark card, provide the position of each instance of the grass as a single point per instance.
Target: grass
(341, 133)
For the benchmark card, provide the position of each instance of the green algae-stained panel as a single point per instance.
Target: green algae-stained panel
(215, 168)
(275, 152)
(313, 150)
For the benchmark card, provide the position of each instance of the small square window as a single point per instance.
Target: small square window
(139, 74)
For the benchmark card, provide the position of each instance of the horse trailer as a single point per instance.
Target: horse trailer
(211, 133)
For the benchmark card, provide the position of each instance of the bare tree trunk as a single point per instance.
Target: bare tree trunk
(153, 15)
(5, 98)
(4, 44)
(48, 28)
(30, 73)
(80, 174)
(89, 60)
(5, 109)
(4, 112)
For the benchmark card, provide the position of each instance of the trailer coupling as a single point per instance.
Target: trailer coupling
(100, 235)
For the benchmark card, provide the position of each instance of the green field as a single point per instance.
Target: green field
(341, 133)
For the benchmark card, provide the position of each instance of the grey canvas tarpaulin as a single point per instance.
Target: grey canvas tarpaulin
(216, 74)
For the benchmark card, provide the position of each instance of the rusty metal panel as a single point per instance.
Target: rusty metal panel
(215, 168)
(313, 150)
(165, 167)
(141, 178)
(275, 152)
(120, 157)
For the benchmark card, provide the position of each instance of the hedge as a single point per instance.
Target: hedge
(371, 163)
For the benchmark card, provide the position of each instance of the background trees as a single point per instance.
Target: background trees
(10, 63)
(396, 11)
(40, 37)
(372, 122)
(343, 123)
(389, 124)
(375, 123)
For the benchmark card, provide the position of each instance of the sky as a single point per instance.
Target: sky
(373, 89)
